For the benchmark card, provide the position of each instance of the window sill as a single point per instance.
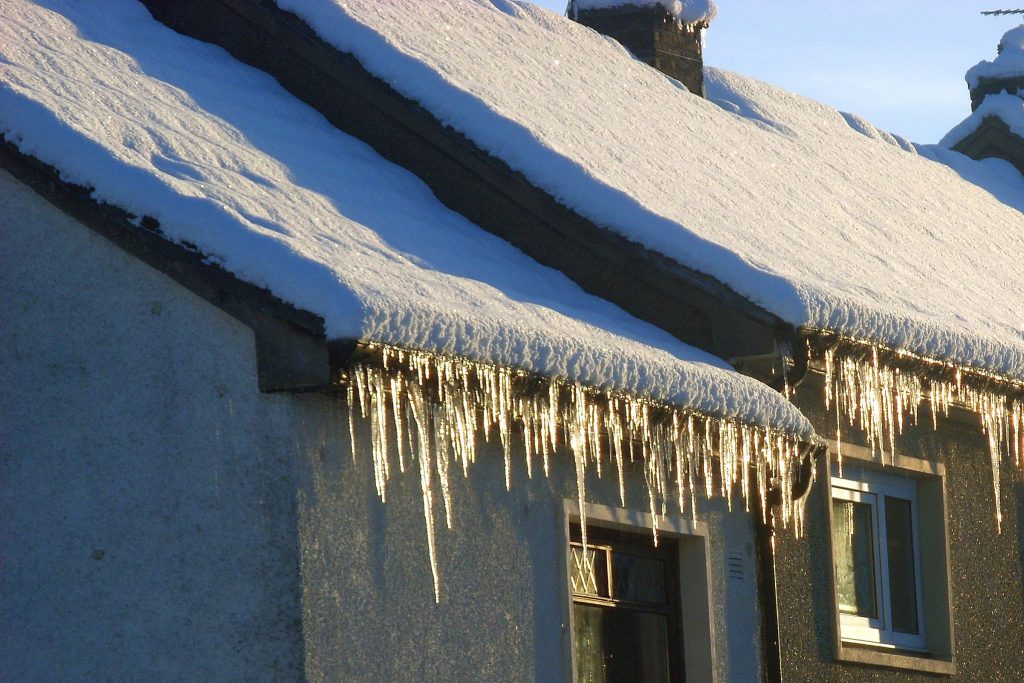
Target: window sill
(894, 659)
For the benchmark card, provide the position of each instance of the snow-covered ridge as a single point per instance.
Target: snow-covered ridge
(773, 194)
(225, 159)
(1008, 63)
(687, 11)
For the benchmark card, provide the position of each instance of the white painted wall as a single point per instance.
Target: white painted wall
(164, 521)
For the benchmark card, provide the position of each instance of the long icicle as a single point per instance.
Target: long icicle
(440, 406)
(878, 399)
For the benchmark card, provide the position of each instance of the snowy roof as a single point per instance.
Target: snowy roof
(165, 126)
(686, 11)
(1008, 108)
(1008, 64)
(784, 199)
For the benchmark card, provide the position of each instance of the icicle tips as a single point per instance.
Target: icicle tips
(432, 410)
(879, 399)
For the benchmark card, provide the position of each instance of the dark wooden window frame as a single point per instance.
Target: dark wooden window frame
(694, 594)
(640, 544)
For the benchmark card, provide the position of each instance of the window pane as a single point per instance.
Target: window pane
(589, 571)
(899, 531)
(853, 541)
(615, 645)
(638, 578)
(589, 644)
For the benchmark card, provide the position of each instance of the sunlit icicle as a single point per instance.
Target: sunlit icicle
(652, 488)
(594, 436)
(679, 455)
(504, 381)
(1018, 432)
(364, 400)
(747, 436)
(397, 392)
(442, 441)
(581, 485)
(878, 399)
(440, 406)
(350, 399)
(420, 417)
(613, 421)
(528, 436)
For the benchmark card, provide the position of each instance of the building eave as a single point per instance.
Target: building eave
(819, 340)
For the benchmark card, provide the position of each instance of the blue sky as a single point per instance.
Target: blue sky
(898, 63)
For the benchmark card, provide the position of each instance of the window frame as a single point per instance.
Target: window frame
(929, 478)
(610, 541)
(872, 489)
(691, 582)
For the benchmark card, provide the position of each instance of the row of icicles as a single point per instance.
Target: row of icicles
(428, 411)
(879, 399)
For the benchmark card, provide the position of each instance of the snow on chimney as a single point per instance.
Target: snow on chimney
(1005, 73)
(667, 34)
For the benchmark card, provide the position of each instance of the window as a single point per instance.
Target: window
(890, 563)
(877, 560)
(625, 603)
(632, 610)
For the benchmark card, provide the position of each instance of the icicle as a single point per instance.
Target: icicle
(581, 487)
(440, 406)
(441, 451)
(350, 399)
(878, 399)
(396, 409)
(426, 485)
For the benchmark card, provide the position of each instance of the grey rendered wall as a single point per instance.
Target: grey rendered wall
(164, 521)
(986, 578)
(368, 596)
(147, 493)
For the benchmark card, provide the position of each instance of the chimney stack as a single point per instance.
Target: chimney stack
(665, 34)
(1003, 74)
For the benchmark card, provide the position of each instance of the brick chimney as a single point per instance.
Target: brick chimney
(656, 36)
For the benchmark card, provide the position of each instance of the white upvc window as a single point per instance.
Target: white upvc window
(877, 560)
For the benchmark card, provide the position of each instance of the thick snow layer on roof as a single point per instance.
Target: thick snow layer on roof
(224, 158)
(1006, 107)
(686, 11)
(778, 196)
(1009, 63)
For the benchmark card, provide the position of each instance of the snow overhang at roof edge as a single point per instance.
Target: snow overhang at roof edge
(292, 350)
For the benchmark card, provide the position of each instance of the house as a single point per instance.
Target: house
(259, 337)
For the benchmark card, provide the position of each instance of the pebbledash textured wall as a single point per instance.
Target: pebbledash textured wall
(986, 568)
(164, 521)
